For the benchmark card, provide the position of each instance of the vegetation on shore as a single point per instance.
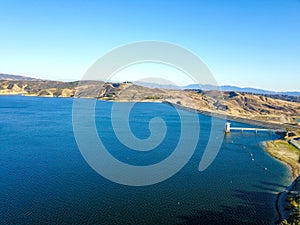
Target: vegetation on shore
(293, 207)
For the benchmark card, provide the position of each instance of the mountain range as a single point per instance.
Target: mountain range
(4, 76)
(205, 87)
(208, 87)
(277, 109)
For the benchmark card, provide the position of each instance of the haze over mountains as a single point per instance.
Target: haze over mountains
(208, 87)
(15, 77)
(205, 87)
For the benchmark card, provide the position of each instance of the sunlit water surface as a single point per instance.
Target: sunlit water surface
(44, 178)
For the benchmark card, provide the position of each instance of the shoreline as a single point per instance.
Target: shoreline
(285, 153)
(258, 123)
(289, 156)
(281, 201)
(292, 165)
(272, 147)
(236, 118)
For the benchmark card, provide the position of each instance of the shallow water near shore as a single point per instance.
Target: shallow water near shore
(44, 178)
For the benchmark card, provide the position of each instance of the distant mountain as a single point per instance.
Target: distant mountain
(16, 77)
(291, 93)
(205, 87)
(156, 85)
(208, 87)
(257, 107)
(257, 91)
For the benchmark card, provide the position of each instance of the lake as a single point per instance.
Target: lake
(45, 179)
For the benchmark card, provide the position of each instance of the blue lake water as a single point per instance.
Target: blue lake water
(44, 178)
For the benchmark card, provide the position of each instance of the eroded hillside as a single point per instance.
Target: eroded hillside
(234, 104)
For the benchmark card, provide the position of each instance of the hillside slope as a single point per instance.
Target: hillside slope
(234, 104)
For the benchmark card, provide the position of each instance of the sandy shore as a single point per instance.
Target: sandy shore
(286, 153)
(289, 155)
(279, 149)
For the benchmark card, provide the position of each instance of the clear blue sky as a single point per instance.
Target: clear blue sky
(246, 43)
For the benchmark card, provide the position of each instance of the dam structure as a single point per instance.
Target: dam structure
(228, 129)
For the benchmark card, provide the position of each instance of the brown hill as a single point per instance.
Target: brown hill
(234, 104)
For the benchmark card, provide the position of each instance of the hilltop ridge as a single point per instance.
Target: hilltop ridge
(275, 110)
